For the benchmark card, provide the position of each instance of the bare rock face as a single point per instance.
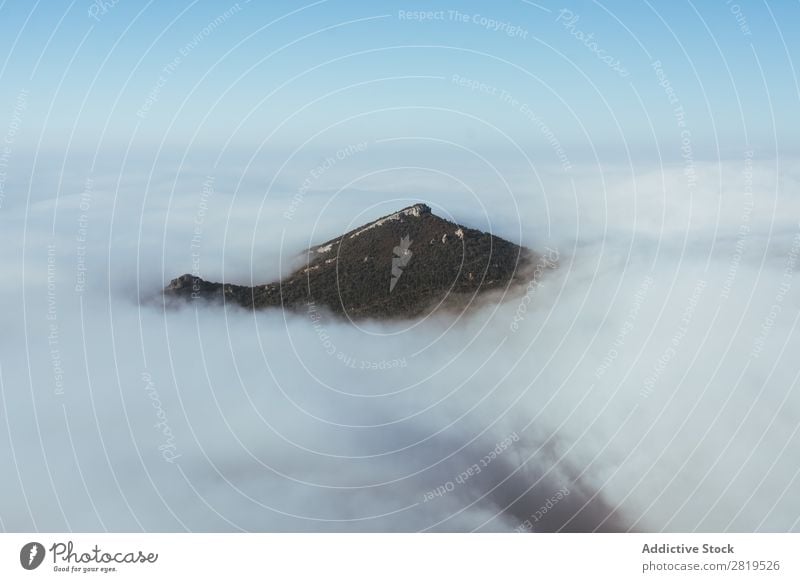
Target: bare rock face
(406, 264)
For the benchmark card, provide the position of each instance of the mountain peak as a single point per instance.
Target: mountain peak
(405, 264)
(415, 211)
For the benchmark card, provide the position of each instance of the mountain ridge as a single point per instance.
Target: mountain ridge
(405, 264)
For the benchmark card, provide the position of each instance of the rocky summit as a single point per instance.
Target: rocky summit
(407, 264)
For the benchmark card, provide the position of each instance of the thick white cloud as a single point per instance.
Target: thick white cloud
(646, 375)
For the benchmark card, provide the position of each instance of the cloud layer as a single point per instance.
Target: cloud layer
(649, 383)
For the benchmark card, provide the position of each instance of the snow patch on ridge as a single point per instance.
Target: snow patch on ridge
(417, 210)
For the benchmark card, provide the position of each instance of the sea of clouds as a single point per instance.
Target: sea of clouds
(648, 383)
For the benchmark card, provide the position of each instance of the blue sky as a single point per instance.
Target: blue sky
(276, 74)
